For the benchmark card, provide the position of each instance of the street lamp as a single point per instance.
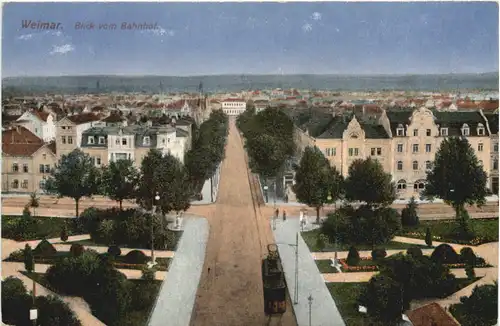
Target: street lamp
(265, 193)
(310, 299)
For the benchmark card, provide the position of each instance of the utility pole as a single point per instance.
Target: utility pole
(310, 299)
(296, 292)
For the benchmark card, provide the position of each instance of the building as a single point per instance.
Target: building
(233, 106)
(404, 142)
(493, 125)
(69, 131)
(26, 161)
(40, 123)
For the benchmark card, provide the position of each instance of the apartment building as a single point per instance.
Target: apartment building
(40, 123)
(69, 131)
(493, 125)
(404, 142)
(234, 106)
(26, 161)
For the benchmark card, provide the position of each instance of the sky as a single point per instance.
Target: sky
(251, 38)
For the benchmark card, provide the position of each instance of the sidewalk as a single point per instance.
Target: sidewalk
(175, 301)
(323, 309)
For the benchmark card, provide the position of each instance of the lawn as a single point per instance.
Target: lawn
(486, 230)
(163, 263)
(325, 267)
(89, 242)
(345, 296)
(133, 317)
(21, 229)
(310, 238)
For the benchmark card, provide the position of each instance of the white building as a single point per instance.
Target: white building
(121, 145)
(39, 123)
(233, 106)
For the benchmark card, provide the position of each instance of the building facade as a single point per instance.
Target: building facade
(234, 106)
(40, 123)
(69, 131)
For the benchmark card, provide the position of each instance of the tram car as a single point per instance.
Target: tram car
(273, 280)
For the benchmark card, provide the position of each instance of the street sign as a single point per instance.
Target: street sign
(33, 314)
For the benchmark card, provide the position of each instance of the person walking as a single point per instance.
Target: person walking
(284, 215)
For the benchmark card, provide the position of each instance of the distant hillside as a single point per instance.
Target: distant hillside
(233, 83)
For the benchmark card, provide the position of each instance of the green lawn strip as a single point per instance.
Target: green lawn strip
(311, 236)
(163, 263)
(43, 227)
(486, 230)
(134, 317)
(345, 296)
(325, 267)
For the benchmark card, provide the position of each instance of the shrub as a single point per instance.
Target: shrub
(467, 256)
(469, 271)
(64, 233)
(445, 254)
(45, 249)
(76, 250)
(321, 241)
(409, 215)
(428, 237)
(480, 308)
(26, 212)
(114, 251)
(29, 260)
(415, 252)
(144, 295)
(52, 311)
(17, 255)
(106, 231)
(136, 257)
(353, 257)
(15, 302)
(148, 274)
(378, 253)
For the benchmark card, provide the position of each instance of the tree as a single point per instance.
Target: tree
(316, 180)
(383, 299)
(267, 154)
(119, 180)
(26, 212)
(409, 215)
(29, 259)
(428, 237)
(480, 308)
(64, 233)
(52, 311)
(75, 176)
(367, 182)
(353, 258)
(34, 202)
(457, 178)
(16, 302)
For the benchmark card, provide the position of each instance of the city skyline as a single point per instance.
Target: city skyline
(206, 39)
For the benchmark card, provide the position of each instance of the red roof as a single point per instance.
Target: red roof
(41, 115)
(19, 141)
(431, 315)
(234, 100)
(83, 118)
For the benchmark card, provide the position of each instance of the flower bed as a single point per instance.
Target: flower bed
(462, 265)
(363, 268)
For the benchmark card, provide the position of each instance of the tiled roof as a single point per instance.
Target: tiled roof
(112, 118)
(431, 314)
(20, 142)
(398, 117)
(493, 122)
(83, 118)
(454, 121)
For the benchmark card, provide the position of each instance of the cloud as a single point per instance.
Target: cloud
(25, 37)
(62, 49)
(316, 16)
(307, 27)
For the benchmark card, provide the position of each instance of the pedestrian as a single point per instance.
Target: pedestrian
(277, 213)
(284, 215)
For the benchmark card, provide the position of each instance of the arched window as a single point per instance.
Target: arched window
(480, 129)
(400, 165)
(401, 185)
(400, 130)
(419, 185)
(465, 130)
(415, 165)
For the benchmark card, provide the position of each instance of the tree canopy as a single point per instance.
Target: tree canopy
(119, 180)
(75, 176)
(316, 180)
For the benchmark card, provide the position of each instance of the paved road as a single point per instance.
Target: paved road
(178, 292)
(230, 291)
(323, 308)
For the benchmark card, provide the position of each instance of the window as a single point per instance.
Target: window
(25, 168)
(15, 184)
(47, 168)
(91, 139)
(465, 130)
(379, 151)
(63, 139)
(444, 132)
(102, 140)
(415, 148)
(428, 165)
(163, 141)
(374, 151)
(41, 184)
(480, 129)
(495, 148)
(69, 127)
(415, 165)
(42, 170)
(351, 151)
(480, 147)
(124, 141)
(44, 156)
(24, 184)
(70, 140)
(331, 151)
(415, 132)
(98, 161)
(15, 167)
(146, 140)
(419, 185)
(428, 148)
(63, 127)
(400, 148)
(401, 185)
(356, 152)
(495, 165)
(428, 133)
(400, 131)
(400, 165)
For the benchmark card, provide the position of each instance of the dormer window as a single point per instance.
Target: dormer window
(91, 140)
(400, 131)
(146, 140)
(443, 132)
(465, 130)
(102, 140)
(480, 129)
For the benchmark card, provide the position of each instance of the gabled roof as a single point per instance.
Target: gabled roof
(454, 121)
(20, 142)
(82, 118)
(431, 314)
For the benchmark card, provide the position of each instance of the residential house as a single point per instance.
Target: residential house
(41, 123)
(26, 161)
(69, 131)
